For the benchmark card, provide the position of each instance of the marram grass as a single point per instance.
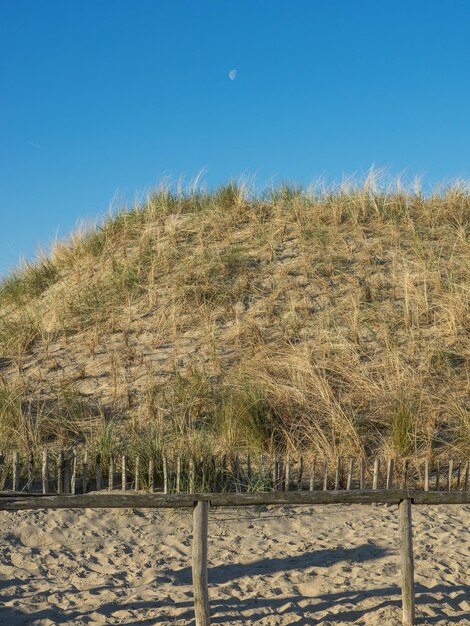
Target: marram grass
(333, 322)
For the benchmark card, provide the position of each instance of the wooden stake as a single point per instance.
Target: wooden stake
(325, 475)
(407, 565)
(98, 472)
(2, 471)
(73, 477)
(151, 475)
(312, 477)
(192, 475)
(199, 565)
(178, 474)
(350, 473)
(123, 473)
(362, 481)
(438, 475)
(85, 473)
(45, 471)
(204, 473)
(165, 475)
(137, 473)
(337, 473)
(16, 471)
(301, 474)
(66, 476)
(426, 475)
(111, 474)
(29, 484)
(390, 469)
(60, 472)
(287, 482)
(449, 479)
(465, 477)
(459, 469)
(375, 479)
(404, 478)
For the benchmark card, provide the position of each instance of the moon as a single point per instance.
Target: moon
(232, 74)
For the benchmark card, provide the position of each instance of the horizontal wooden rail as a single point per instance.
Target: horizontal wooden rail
(109, 500)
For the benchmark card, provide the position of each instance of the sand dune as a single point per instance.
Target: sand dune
(323, 565)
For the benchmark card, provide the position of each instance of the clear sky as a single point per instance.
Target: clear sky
(100, 99)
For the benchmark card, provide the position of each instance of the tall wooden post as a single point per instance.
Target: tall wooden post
(407, 564)
(200, 582)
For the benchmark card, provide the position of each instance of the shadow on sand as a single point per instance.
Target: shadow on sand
(226, 611)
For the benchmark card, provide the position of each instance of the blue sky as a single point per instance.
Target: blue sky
(101, 99)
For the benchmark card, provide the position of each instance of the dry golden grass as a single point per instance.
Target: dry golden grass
(332, 322)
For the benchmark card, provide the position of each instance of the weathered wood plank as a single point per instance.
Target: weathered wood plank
(199, 563)
(116, 499)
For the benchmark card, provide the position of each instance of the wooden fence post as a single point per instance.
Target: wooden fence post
(325, 475)
(98, 472)
(60, 472)
(407, 565)
(73, 478)
(301, 473)
(137, 473)
(362, 474)
(200, 582)
(375, 479)
(16, 471)
(312, 477)
(45, 471)
(350, 473)
(123, 473)
(85, 472)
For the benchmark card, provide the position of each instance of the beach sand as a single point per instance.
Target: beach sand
(330, 565)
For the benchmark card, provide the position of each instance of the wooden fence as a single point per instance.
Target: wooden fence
(78, 471)
(240, 484)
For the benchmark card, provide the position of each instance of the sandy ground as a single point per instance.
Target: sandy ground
(323, 565)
